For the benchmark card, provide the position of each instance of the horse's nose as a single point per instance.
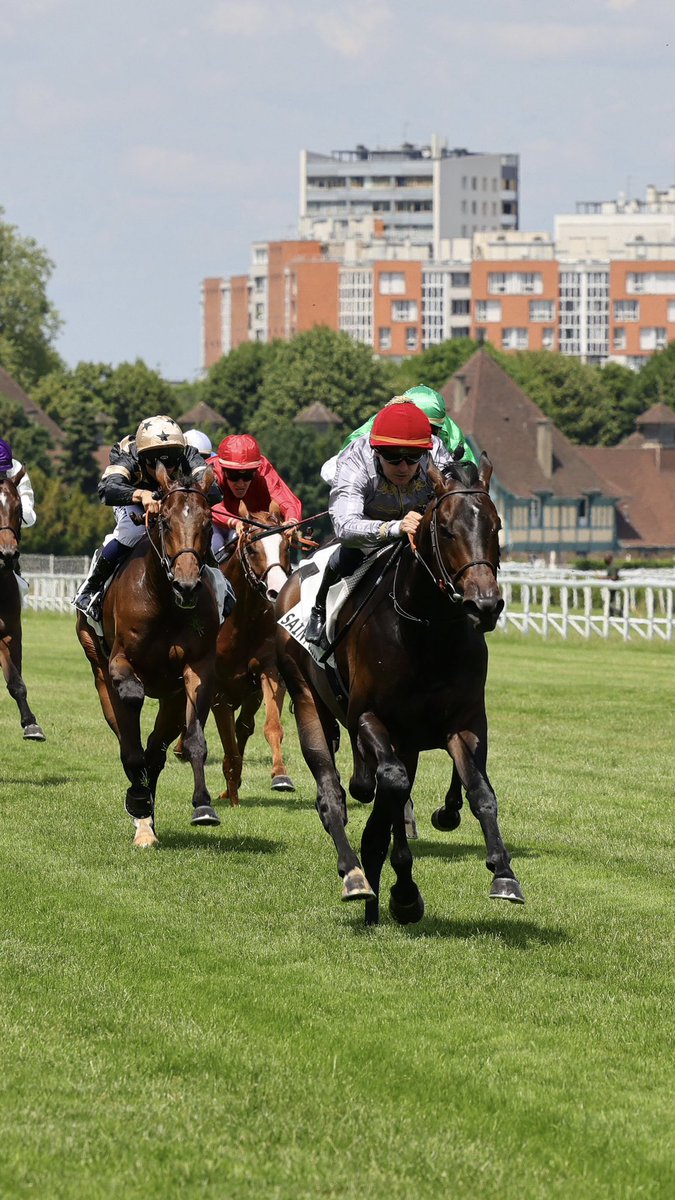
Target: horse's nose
(485, 610)
(185, 591)
(8, 555)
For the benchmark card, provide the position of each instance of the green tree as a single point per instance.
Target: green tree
(319, 365)
(78, 400)
(135, 392)
(625, 405)
(233, 384)
(655, 384)
(433, 367)
(68, 521)
(29, 322)
(29, 441)
(568, 391)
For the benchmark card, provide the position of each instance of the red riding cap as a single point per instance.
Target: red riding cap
(401, 424)
(239, 452)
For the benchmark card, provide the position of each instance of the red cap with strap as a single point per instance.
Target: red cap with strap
(402, 424)
(239, 452)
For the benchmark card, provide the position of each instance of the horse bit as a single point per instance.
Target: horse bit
(169, 563)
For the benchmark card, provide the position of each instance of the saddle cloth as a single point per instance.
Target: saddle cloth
(311, 573)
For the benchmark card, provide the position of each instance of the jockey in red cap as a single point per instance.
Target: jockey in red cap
(243, 471)
(379, 493)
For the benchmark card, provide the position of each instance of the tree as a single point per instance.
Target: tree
(30, 442)
(567, 391)
(655, 383)
(434, 366)
(233, 384)
(29, 322)
(135, 392)
(625, 405)
(78, 400)
(68, 522)
(319, 365)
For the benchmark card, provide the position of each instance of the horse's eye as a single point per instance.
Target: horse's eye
(447, 533)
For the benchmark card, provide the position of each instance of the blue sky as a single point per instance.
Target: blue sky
(146, 143)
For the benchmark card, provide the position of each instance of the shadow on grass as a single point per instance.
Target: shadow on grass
(288, 800)
(515, 933)
(222, 843)
(46, 782)
(450, 850)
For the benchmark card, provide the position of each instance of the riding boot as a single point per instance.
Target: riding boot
(87, 599)
(315, 629)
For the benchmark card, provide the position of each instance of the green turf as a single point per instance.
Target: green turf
(208, 1020)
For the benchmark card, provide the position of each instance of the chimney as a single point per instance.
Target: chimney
(459, 392)
(545, 446)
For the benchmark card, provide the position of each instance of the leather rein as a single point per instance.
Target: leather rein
(257, 582)
(168, 562)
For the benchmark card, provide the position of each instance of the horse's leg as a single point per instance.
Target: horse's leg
(393, 785)
(223, 714)
(469, 752)
(98, 663)
(127, 697)
(168, 722)
(274, 693)
(10, 660)
(448, 816)
(405, 901)
(198, 679)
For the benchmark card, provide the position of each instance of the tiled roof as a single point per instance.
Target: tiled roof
(12, 391)
(658, 414)
(200, 414)
(502, 420)
(645, 476)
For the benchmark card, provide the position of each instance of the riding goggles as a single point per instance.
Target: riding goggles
(395, 457)
(170, 458)
(241, 476)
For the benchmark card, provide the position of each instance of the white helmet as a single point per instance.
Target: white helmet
(195, 437)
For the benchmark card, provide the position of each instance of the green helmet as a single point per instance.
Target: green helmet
(431, 402)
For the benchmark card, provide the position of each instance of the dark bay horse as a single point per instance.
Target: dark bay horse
(10, 605)
(246, 665)
(160, 620)
(414, 664)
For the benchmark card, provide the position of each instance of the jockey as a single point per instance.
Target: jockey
(243, 471)
(442, 425)
(200, 441)
(129, 485)
(380, 490)
(9, 469)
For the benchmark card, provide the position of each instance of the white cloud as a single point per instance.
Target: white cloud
(537, 41)
(169, 169)
(350, 29)
(620, 5)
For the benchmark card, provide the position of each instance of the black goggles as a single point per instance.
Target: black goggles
(395, 457)
(170, 458)
(241, 476)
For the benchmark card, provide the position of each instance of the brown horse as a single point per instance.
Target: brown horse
(246, 666)
(160, 620)
(10, 605)
(413, 662)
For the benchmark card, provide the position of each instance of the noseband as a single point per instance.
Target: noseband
(10, 528)
(257, 582)
(169, 562)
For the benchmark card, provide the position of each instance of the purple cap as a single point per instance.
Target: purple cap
(5, 455)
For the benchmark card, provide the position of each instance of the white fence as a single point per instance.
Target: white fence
(537, 601)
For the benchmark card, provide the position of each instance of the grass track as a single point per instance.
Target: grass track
(209, 1021)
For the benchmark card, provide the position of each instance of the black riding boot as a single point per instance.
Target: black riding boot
(315, 629)
(88, 597)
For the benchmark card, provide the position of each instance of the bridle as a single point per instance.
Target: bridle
(10, 528)
(442, 579)
(168, 562)
(257, 582)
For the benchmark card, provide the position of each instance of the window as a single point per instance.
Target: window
(460, 279)
(411, 338)
(547, 339)
(461, 308)
(619, 340)
(535, 511)
(404, 310)
(488, 310)
(651, 283)
(671, 311)
(515, 283)
(582, 512)
(653, 339)
(392, 283)
(542, 310)
(626, 310)
(385, 338)
(514, 339)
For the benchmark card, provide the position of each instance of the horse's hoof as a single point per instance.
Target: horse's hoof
(282, 783)
(145, 836)
(33, 733)
(205, 814)
(355, 886)
(411, 830)
(504, 888)
(406, 914)
(445, 820)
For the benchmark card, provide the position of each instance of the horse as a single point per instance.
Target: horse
(246, 667)
(160, 620)
(10, 605)
(411, 655)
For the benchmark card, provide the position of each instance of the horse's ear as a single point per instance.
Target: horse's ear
(436, 479)
(162, 476)
(207, 479)
(485, 471)
(243, 511)
(275, 511)
(16, 479)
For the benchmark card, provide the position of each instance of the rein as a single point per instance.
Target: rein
(257, 582)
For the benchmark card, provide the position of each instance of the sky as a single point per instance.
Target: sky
(146, 143)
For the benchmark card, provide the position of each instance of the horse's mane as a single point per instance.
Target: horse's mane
(464, 473)
(184, 480)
